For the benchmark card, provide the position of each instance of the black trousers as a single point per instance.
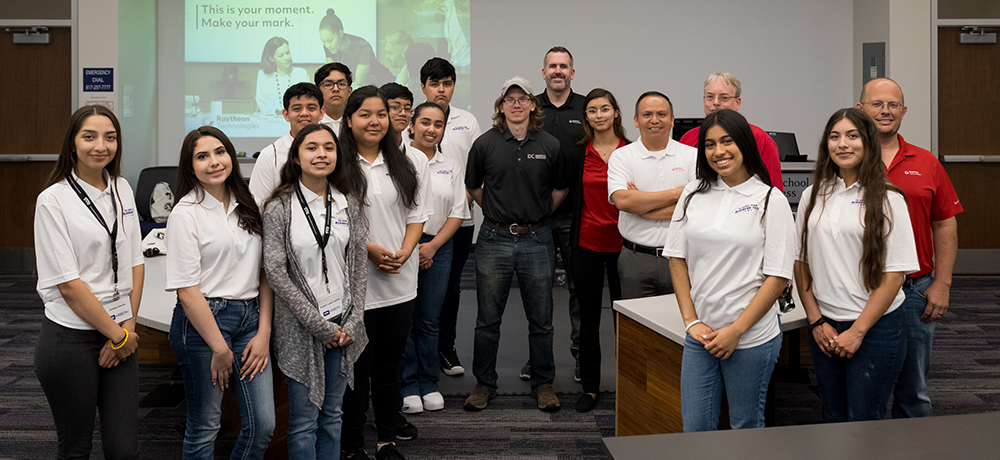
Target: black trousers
(462, 245)
(377, 371)
(589, 268)
(77, 387)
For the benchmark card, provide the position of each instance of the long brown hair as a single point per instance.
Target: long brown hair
(536, 119)
(874, 185)
(588, 131)
(346, 177)
(249, 214)
(67, 155)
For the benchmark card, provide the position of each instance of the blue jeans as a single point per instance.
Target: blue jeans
(858, 388)
(911, 398)
(744, 376)
(499, 255)
(237, 321)
(314, 432)
(420, 357)
(449, 310)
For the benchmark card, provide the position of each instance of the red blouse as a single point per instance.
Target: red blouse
(598, 218)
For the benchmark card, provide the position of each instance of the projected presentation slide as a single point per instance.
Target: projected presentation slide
(240, 57)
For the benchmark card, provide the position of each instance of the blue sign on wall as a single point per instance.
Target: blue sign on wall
(98, 79)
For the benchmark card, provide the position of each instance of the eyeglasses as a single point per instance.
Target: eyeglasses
(341, 84)
(877, 105)
(399, 109)
(723, 98)
(510, 100)
(606, 110)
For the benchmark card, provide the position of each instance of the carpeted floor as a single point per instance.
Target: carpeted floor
(965, 378)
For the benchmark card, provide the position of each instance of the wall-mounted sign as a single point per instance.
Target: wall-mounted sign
(98, 79)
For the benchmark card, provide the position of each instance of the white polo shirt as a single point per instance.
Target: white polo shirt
(445, 187)
(388, 218)
(71, 244)
(304, 242)
(729, 251)
(666, 169)
(207, 248)
(460, 131)
(835, 232)
(333, 124)
(266, 175)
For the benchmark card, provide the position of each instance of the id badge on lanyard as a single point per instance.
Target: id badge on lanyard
(331, 306)
(119, 310)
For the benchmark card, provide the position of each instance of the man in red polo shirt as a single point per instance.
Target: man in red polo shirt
(933, 206)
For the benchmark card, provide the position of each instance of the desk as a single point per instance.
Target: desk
(157, 306)
(933, 438)
(649, 349)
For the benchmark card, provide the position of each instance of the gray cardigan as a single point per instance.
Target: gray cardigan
(300, 334)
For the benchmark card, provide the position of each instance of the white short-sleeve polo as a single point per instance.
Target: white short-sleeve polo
(445, 186)
(71, 244)
(729, 251)
(333, 124)
(207, 248)
(666, 169)
(461, 130)
(388, 218)
(834, 256)
(266, 175)
(304, 242)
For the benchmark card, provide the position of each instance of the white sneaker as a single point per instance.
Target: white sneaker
(433, 401)
(412, 405)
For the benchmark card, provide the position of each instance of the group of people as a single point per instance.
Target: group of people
(342, 257)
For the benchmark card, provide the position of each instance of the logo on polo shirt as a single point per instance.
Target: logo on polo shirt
(912, 173)
(461, 128)
(678, 168)
(341, 222)
(129, 212)
(747, 208)
(858, 201)
(444, 171)
(576, 122)
(536, 156)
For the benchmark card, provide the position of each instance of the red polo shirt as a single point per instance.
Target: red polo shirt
(598, 217)
(929, 194)
(765, 146)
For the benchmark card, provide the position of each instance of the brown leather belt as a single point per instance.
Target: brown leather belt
(514, 229)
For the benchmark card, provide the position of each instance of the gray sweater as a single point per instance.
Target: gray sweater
(300, 333)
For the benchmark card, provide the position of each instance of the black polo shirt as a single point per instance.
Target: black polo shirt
(517, 177)
(566, 124)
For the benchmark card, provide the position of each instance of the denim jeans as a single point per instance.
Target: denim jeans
(911, 397)
(314, 432)
(420, 357)
(499, 255)
(744, 377)
(237, 321)
(858, 388)
(449, 310)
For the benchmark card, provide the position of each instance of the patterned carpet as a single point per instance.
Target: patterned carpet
(965, 378)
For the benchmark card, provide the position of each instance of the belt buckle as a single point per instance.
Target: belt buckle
(511, 229)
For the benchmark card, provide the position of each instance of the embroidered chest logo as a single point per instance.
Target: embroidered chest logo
(446, 172)
(461, 128)
(678, 169)
(747, 208)
(341, 222)
(857, 201)
(536, 156)
(912, 173)
(575, 122)
(128, 212)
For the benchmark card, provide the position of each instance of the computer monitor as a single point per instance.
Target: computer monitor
(788, 148)
(683, 125)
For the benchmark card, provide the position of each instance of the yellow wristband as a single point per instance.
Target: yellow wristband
(113, 347)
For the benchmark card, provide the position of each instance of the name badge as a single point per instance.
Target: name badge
(119, 310)
(331, 306)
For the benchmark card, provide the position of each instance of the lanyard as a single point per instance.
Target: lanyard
(321, 240)
(113, 233)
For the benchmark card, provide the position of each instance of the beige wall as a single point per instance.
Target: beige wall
(871, 18)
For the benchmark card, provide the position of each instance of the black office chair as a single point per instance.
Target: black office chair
(148, 179)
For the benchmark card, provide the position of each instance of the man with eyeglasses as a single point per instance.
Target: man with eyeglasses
(437, 82)
(334, 79)
(517, 174)
(563, 111)
(645, 180)
(400, 107)
(722, 91)
(303, 106)
(933, 205)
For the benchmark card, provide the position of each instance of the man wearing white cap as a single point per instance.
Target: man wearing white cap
(517, 174)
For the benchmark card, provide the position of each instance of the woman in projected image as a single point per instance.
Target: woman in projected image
(353, 51)
(276, 74)
(857, 247)
(732, 250)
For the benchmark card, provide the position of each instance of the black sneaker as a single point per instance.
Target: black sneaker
(405, 431)
(450, 364)
(526, 371)
(389, 452)
(358, 455)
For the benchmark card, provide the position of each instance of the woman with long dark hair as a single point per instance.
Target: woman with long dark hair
(594, 232)
(856, 248)
(276, 75)
(732, 248)
(90, 275)
(394, 206)
(221, 329)
(314, 255)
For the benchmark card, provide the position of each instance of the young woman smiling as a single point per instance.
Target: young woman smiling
(732, 247)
